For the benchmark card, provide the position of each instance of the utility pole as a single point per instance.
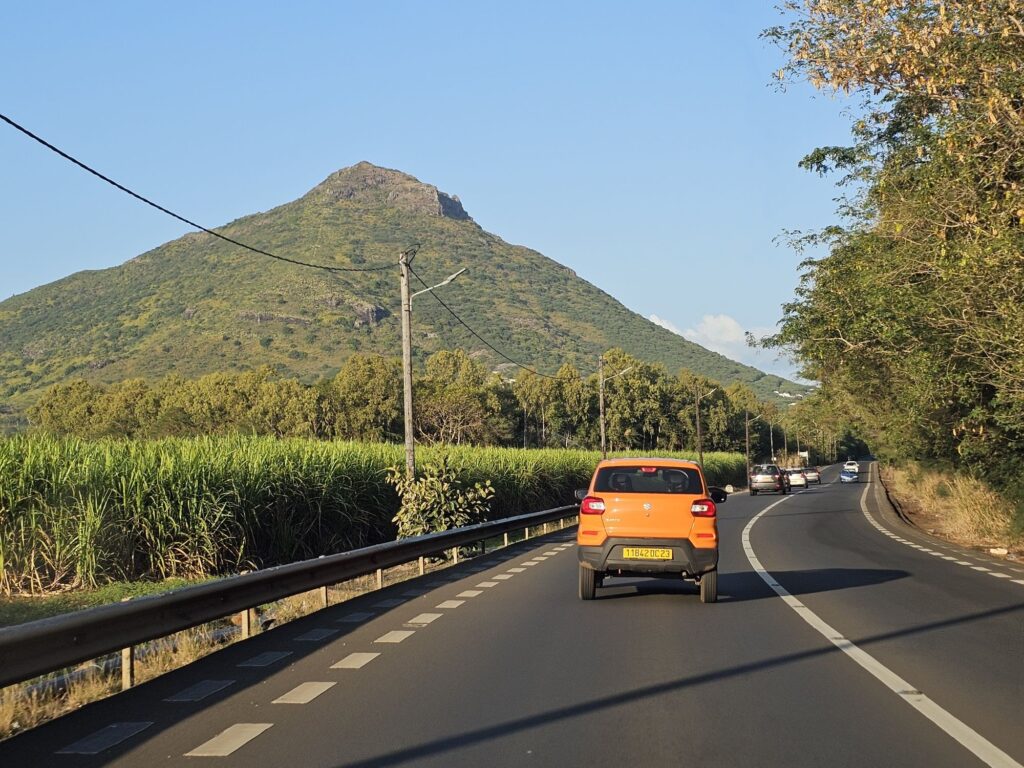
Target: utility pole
(600, 397)
(746, 430)
(700, 437)
(771, 439)
(410, 441)
(600, 402)
(404, 260)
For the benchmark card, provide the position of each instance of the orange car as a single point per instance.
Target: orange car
(648, 517)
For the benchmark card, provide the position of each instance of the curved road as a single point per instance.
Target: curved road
(842, 638)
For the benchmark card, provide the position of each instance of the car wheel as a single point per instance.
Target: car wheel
(587, 583)
(753, 492)
(709, 587)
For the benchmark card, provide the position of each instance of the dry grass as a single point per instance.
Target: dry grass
(957, 507)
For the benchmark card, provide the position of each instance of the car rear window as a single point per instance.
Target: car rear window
(766, 469)
(641, 479)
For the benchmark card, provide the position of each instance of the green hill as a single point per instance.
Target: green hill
(198, 304)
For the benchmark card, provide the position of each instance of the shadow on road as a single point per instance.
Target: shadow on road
(747, 585)
(442, 745)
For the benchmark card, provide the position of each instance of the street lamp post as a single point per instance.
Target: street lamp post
(600, 398)
(404, 260)
(700, 437)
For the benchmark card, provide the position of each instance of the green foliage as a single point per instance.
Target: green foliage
(912, 322)
(438, 499)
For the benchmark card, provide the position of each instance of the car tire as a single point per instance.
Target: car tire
(709, 587)
(588, 583)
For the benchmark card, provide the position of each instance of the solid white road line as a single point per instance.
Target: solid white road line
(355, 661)
(395, 636)
(973, 741)
(316, 635)
(450, 604)
(104, 738)
(229, 740)
(200, 690)
(265, 659)
(303, 693)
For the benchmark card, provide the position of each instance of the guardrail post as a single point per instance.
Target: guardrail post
(526, 533)
(245, 623)
(506, 538)
(423, 565)
(455, 555)
(380, 578)
(545, 528)
(483, 547)
(127, 667)
(324, 598)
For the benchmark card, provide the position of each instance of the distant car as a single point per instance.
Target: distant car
(768, 477)
(813, 475)
(797, 478)
(848, 476)
(852, 465)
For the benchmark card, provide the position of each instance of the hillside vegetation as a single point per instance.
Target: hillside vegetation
(198, 305)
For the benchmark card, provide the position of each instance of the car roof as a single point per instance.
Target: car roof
(648, 461)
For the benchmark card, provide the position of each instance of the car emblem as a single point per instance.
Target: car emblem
(647, 507)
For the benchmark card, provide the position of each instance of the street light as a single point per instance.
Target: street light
(700, 439)
(404, 260)
(600, 397)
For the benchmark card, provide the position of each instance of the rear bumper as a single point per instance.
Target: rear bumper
(687, 559)
(763, 486)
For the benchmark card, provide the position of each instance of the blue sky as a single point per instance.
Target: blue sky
(641, 144)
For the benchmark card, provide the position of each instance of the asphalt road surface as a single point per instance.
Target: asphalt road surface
(841, 638)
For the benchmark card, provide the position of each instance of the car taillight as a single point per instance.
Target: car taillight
(703, 508)
(592, 505)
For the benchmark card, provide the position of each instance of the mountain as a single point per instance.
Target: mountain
(198, 304)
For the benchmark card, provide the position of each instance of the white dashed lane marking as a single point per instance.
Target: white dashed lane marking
(530, 562)
(469, 593)
(504, 576)
(516, 570)
(229, 740)
(355, 661)
(265, 659)
(316, 635)
(304, 693)
(451, 604)
(968, 563)
(104, 738)
(358, 616)
(425, 618)
(395, 636)
(487, 584)
(200, 690)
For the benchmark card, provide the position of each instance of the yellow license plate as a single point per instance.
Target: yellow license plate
(646, 553)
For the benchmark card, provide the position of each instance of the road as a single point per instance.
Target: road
(841, 638)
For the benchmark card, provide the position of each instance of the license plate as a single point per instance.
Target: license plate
(646, 553)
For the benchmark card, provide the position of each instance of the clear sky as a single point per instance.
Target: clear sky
(642, 144)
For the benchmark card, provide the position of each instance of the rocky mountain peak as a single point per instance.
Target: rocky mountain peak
(370, 184)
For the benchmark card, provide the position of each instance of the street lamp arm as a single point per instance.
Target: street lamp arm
(443, 282)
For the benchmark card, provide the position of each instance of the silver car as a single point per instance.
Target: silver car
(813, 475)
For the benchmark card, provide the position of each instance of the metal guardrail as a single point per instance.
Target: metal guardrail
(44, 646)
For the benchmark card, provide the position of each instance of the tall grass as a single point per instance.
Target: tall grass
(77, 513)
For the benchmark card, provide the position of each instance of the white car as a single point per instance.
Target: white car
(852, 466)
(797, 478)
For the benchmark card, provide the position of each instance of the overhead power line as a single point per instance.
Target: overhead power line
(477, 335)
(172, 214)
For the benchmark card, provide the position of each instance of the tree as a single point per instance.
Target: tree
(367, 398)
